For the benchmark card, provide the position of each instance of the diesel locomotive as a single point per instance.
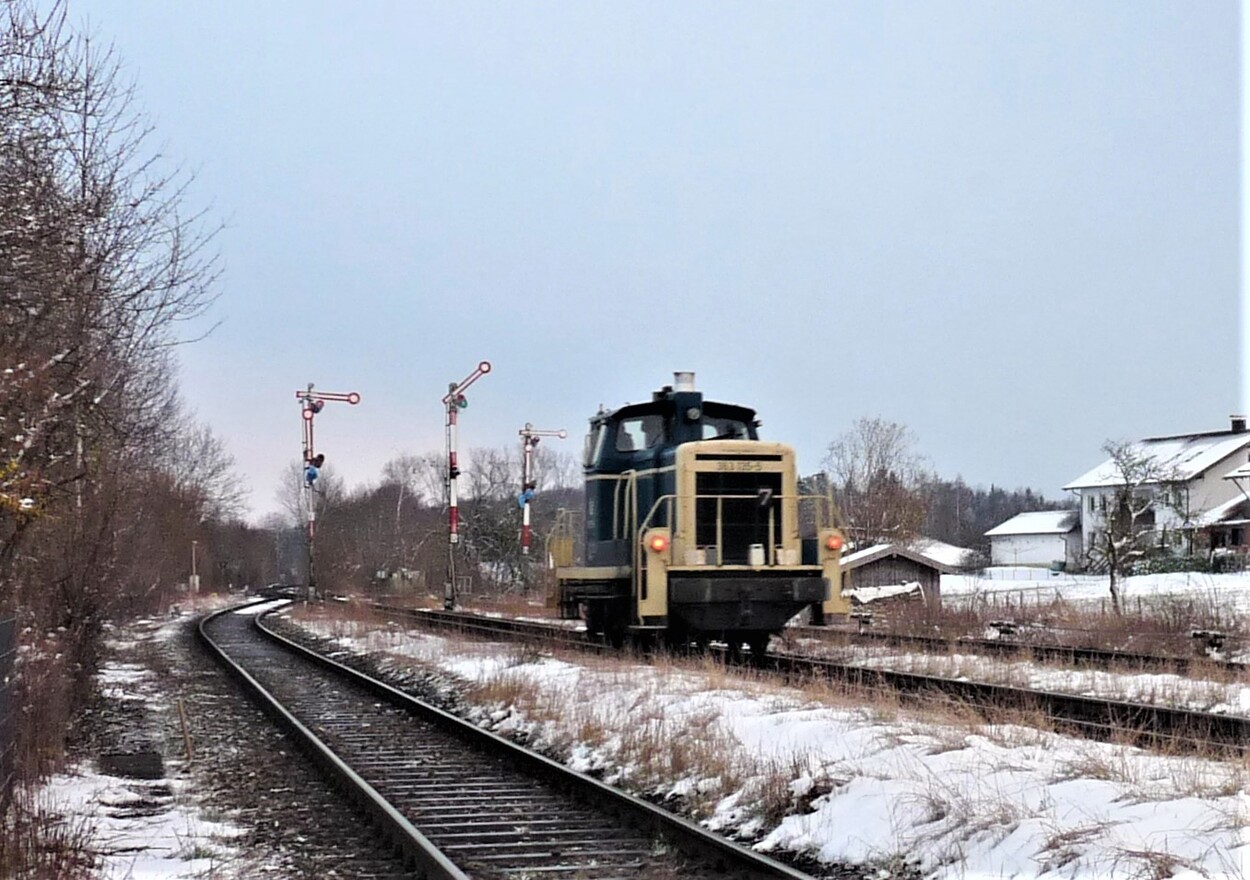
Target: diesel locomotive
(694, 529)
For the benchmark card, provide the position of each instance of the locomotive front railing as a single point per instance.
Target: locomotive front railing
(822, 505)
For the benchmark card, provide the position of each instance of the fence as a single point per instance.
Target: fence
(8, 709)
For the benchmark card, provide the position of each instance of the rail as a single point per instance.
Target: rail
(715, 855)
(1143, 723)
(415, 846)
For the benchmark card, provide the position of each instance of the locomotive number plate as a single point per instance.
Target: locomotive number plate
(739, 466)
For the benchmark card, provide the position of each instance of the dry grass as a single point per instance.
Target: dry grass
(678, 748)
(1147, 864)
(36, 844)
(1159, 625)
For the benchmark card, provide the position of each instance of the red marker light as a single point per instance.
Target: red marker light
(833, 543)
(658, 543)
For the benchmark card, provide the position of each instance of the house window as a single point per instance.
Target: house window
(1102, 503)
(1091, 504)
(1237, 538)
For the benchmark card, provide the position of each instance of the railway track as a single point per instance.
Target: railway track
(1142, 723)
(457, 801)
(1100, 658)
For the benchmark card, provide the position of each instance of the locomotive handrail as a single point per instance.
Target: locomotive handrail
(823, 505)
(668, 499)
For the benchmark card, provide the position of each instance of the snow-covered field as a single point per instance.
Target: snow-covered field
(878, 786)
(1029, 585)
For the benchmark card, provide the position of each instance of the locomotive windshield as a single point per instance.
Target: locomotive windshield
(643, 432)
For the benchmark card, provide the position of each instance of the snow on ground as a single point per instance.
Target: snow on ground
(869, 785)
(1026, 584)
(262, 607)
(140, 829)
(1168, 689)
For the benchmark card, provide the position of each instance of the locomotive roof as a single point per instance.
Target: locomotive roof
(665, 404)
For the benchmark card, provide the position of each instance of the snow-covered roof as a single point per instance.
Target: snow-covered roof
(867, 595)
(940, 551)
(1239, 473)
(1225, 513)
(881, 551)
(1186, 456)
(1038, 522)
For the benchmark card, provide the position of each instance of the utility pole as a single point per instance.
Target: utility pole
(310, 404)
(529, 439)
(454, 401)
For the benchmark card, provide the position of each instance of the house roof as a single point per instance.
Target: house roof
(1239, 473)
(882, 551)
(1232, 512)
(1187, 455)
(1040, 522)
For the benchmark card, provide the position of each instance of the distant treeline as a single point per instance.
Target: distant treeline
(961, 514)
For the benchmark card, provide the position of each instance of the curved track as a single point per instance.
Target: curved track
(458, 801)
(1142, 723)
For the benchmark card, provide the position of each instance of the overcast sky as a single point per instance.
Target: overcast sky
(1011, 226)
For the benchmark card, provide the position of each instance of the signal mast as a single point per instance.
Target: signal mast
(310, 404)
(454, 401)
(529, 439)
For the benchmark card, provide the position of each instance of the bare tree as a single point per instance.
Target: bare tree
(877, 479)
(1139, 483)
(98, 264)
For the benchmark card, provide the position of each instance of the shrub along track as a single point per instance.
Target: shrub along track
(1143, 724)
(458, 801)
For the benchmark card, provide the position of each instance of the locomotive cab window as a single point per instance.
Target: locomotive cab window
(724, 429)
(643, 432)
(594, 445)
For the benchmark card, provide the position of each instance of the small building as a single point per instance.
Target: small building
(1044, 537)
(879, 569)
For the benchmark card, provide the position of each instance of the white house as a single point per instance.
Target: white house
(1194, 467)
(1044, 537)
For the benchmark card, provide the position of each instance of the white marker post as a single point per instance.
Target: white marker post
(529, 439)
(310, 404)
(455, 401)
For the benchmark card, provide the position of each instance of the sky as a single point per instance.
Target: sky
(1009, 226)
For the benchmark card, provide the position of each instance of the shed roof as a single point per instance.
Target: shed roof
(1186, 455)
(1038, 522)
(883, 551)
(939, 551)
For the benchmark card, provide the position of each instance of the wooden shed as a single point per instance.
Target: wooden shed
(884, 568)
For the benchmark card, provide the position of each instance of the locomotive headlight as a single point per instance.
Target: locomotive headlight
(656, 541)
(831, 545)
(694, 414)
